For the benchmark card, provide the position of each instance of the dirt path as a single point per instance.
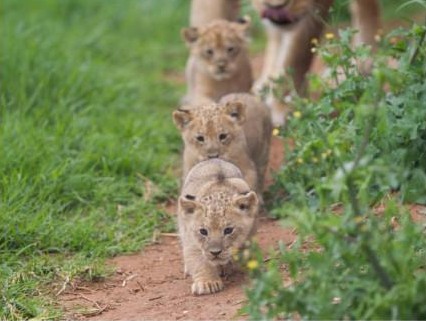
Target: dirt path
(151, 286)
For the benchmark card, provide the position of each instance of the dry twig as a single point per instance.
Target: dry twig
(131, 277)
(64, 286)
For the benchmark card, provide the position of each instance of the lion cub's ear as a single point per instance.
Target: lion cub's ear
(188, 205)
(247, 203)
(244, 24)
(181, 118)
(236, 110)
(189, 35)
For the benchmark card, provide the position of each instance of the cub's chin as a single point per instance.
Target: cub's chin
(218, 261)
(219, 76)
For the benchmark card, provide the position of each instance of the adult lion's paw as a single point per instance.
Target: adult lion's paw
(207, 287)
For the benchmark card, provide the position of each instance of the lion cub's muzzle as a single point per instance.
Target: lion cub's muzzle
(221, 70)
(217, 256)
(215, 253)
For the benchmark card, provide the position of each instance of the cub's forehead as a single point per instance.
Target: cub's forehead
(217, 204)
(209, 114)
(207, 111)
(218, 34)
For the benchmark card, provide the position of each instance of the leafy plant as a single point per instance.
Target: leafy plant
(361, 144)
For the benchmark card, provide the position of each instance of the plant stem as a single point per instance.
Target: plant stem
(383, 276)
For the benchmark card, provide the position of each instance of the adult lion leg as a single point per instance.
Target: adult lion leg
(299, 59)
(270, 66)
(291, 57)
(366, 19)
(205, 11)
(296, 58)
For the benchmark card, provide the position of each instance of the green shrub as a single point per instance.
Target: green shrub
(362, 143)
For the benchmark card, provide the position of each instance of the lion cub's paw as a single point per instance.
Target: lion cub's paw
(207, 287)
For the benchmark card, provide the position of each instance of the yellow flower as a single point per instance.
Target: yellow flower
(358, 219)
(314, 41)
(275, 132)
(329, 35)
(300, 160)
(297, 114)
(252, 264)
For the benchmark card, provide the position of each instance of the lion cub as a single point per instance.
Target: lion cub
(237, 129)
(219, 63)
(217, 214)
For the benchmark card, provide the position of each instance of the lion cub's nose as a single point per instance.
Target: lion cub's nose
(216, 252)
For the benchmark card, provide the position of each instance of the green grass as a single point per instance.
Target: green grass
(87, 146)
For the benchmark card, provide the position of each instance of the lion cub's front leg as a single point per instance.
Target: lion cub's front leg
(206, 277)
(206, 280)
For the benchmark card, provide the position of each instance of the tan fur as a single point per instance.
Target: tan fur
(237, 129)
(289, 45)
(219, 62)
(205, 11)
(217, 215)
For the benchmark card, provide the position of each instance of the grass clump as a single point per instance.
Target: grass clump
(88, 145)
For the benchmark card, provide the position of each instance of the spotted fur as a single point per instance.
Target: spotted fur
(217, 214)
(237, 129)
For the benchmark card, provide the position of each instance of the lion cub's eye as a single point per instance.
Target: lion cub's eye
(222, 137)
(228, 230)
(243, 207)
(231, 50)
(203, 231)
(200, 138)
(209, 52)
